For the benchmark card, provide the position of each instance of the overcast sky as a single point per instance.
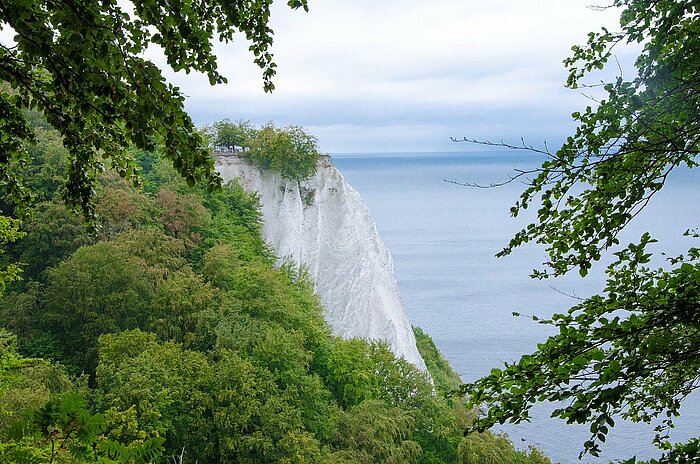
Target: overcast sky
(382, 75)
(390, 76)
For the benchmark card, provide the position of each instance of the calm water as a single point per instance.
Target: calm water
(443, 238)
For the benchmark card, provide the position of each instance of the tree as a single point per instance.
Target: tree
(227, 134)
(290, 151)
(373, 431)
(9, 232)
(99, 289)
(160, 385)
(82, 66)
(631, 352)
(44, 416)
(102, 288)
(52, 234)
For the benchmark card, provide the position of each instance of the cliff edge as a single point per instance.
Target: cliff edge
(323, 223)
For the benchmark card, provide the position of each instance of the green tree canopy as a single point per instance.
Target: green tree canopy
(195, 344)
(9, 232)
(235, 135)
(290, 151)
(631, 352)
(82, 65)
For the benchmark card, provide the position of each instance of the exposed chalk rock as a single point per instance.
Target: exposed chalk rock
(324, 223)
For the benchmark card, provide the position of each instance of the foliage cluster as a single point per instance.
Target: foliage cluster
(446, 380)
(44, 416)
(232, 135)
(631, 352)
(169, 328)
(290, 151)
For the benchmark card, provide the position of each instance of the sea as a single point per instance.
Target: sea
(444, 238)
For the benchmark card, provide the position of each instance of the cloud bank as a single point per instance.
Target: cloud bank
(388, 75)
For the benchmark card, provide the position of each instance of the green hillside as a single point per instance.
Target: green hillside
(170, 329)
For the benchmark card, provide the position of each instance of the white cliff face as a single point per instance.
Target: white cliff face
(324, 224)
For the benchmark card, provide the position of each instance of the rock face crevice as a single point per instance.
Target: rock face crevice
(324, 223)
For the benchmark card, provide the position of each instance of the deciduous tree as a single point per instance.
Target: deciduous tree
(290, 151)
(234, 135)
(632, 352)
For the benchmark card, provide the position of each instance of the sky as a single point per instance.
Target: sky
(392, 76)
(396, 76)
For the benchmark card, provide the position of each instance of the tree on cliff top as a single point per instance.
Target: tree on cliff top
(81, 64)
(230, 135)
(634, 351)
(289, 151)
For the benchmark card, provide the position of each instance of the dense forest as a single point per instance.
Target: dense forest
(169, 331)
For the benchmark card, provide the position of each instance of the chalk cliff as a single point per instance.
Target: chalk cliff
(323, 223)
